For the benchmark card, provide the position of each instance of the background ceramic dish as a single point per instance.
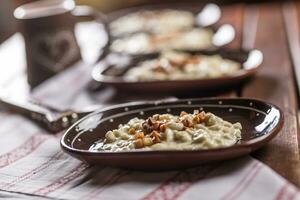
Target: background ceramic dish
(261, 122)
(109, 73)
(207, 17)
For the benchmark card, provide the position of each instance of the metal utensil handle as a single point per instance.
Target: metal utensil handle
(51, 121)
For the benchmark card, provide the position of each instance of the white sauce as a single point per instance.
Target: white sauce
(192, 39)
(169, 132)
(182, 66)
(158, 21)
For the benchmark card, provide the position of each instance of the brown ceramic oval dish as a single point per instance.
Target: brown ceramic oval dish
(207, 17)
(110, 71)
(261, 122)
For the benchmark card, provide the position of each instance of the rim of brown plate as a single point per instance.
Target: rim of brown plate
(97, 74)
(247, 144)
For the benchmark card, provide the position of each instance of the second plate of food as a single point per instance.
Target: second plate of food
(151, 29)
(173, 134)
(177, 71)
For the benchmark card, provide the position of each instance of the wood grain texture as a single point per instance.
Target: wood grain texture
(274, 83)
(291, 15)
(233, 14)
(250, 22)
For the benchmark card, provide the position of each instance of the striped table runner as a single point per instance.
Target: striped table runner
(33, 166)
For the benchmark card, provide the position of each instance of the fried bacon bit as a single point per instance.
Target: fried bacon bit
(139, 135)
(187, 123)
(156, 126)
(159, 69)
(151, 124)
(156, 117)
(162, 128)
(150, 121)
(138, 143)
(199, 118)
(146, 127)
(177, 62)
(202, 116)
(193, 60)
(131, 131)
(156, 136)
(183, 113)
(196, 119)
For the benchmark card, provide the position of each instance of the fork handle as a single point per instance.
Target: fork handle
(47, 119)
(26, 108)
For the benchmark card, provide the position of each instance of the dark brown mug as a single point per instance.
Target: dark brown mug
(48, 30)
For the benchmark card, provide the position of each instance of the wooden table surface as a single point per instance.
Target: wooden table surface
(264, 26)
(271, 28)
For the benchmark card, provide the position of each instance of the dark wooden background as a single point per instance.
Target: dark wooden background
(263, 26)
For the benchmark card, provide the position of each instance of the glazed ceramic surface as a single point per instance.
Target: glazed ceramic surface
(110, 72)
(260, 121)
(206, 16)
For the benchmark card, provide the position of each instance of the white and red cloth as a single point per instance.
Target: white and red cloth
(33, 166)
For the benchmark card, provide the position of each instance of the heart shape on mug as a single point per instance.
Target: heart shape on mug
(56, 50)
